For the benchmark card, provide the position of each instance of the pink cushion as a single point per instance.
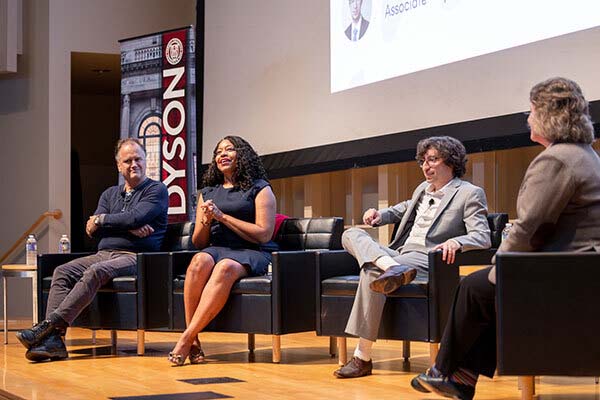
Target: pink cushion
(279, 218)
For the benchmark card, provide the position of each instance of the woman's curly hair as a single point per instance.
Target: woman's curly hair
(561, 111)
(451, 150)
(248, 166)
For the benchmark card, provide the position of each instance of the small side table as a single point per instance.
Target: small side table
(19, 271)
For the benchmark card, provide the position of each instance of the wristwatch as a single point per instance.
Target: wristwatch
(97, 221)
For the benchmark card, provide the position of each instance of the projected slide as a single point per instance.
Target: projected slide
(373, 40)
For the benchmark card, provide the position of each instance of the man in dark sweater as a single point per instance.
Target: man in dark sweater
(130, 218)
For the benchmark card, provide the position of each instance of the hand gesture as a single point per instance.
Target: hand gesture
(371, 217)
(211, 211)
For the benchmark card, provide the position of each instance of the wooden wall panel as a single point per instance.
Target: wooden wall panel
(511, 167)
(350, 192)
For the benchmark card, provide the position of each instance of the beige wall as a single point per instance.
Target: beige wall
(35, 105)
(24, 99)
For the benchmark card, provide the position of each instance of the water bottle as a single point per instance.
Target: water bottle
(64, 245)
(31, 250)
(506, 230)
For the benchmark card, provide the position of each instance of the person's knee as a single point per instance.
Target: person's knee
(200, 263)
(349, 237)
(227, 271)
(61, 271)
(97, 273)
(476, 284)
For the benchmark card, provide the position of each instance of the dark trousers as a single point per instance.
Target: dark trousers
(75, 283)
(469, 340)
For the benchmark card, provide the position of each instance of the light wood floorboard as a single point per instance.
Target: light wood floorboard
(305, 371)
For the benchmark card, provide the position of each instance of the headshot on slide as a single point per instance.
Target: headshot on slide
(358, 23)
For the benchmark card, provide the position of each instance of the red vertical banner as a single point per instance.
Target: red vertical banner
(174, 129)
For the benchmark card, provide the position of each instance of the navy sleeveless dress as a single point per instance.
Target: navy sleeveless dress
(224, 243)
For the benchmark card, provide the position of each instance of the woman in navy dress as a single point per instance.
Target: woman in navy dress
(234, 225)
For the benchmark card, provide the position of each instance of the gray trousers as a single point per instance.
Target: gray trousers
(367, 309)
(75, 283)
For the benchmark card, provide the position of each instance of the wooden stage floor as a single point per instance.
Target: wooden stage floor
(305, 372)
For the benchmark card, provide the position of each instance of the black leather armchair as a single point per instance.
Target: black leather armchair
(124, 303)
(276, 304)
(546, 308)
(415, 312)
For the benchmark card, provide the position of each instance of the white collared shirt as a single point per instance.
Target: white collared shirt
(430, 201)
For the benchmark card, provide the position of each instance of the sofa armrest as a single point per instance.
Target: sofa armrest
(180, 261)
(443, 280)
(332, 263)
(47, 263)
(548, 300)
(153, 270)
(293, 291)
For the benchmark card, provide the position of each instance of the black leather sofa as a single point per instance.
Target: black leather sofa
(415, 312)
(546, 308)
(126, 302)
(276, 304)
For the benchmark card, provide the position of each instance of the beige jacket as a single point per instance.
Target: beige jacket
(558, 207)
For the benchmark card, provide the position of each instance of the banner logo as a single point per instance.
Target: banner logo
(174, 51)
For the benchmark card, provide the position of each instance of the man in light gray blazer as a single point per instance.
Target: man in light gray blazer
(444, 213)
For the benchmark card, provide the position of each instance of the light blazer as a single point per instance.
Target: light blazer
(461, 215)
(558, 207)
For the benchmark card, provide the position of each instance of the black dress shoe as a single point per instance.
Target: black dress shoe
(394, 277)
(354, 368)
(52, 347)
(415, 384)
(37, 333)
(445, 387)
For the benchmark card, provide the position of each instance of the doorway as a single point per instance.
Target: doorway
(95, 110)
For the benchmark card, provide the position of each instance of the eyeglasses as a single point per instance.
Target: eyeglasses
(431, 160)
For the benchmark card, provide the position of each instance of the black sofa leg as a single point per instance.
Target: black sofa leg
(251, 342)
(332, 346)
(406, 350)
(113, 342)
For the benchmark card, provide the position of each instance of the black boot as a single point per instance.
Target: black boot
(33, 336)
(52, 347)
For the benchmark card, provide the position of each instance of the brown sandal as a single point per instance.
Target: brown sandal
(196, 355)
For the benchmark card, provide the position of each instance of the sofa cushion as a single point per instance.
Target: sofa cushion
(250, 285)
(348, 284)
(310, 234)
